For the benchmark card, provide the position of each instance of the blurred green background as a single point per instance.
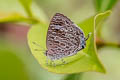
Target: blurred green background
(17, 62)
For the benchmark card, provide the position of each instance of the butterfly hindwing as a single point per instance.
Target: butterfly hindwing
(64, 38)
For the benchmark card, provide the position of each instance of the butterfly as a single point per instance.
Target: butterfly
(64, 38)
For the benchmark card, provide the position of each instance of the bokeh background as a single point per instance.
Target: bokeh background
(17, 62)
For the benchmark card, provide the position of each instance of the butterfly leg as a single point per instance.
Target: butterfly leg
(47, 61)
(39, 46)
(52, 63)
(63, 61)
(38, 50)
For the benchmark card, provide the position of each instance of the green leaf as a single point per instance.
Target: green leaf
(16, 17)
(39, 14)
(84, 60)
(12, 66)
(98, 4)
(107, 5)
(112, 65)
(99, 24)
(11, 7)
(33, 10)
(111, 4)
(104, 5)
(27, 6)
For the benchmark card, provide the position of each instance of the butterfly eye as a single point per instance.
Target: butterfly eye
(83, 46)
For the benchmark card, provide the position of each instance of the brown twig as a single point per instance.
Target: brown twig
(100, 43)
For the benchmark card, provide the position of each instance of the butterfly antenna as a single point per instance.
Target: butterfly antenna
(39, 46)
(88, 36)
(38, 50)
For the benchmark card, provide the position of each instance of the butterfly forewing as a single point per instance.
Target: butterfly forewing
(64, 38)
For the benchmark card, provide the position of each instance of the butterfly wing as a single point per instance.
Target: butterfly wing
(64, 38)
